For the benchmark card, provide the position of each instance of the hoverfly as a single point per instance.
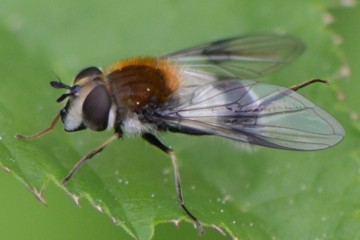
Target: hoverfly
(205, 90)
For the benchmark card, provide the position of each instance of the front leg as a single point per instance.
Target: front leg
(88, 156)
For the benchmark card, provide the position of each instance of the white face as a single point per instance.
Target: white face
(72, 116)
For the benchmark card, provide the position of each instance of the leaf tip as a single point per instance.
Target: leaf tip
(99, 208)
(74, 197)
(6, 169)
(328, 18)
(37, 194)
(345, 71)
(176, 222)
(354, 116)
(347, 3)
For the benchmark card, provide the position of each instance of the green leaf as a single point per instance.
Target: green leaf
(250, 194)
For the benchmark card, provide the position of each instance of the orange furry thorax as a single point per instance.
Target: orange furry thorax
(137, 82)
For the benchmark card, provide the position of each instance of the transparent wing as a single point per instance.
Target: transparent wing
(253, 112)
(244, 57)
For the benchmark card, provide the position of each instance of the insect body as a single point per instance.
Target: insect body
(199, 91)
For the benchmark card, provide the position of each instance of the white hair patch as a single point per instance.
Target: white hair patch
(133, 126)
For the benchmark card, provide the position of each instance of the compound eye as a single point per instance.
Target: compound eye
(96, 108)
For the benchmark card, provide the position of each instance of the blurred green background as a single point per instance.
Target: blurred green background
(63, 37)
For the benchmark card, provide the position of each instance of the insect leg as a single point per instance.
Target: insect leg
(152, 139)
(304, 84)
(87, 157)
(41, 133)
